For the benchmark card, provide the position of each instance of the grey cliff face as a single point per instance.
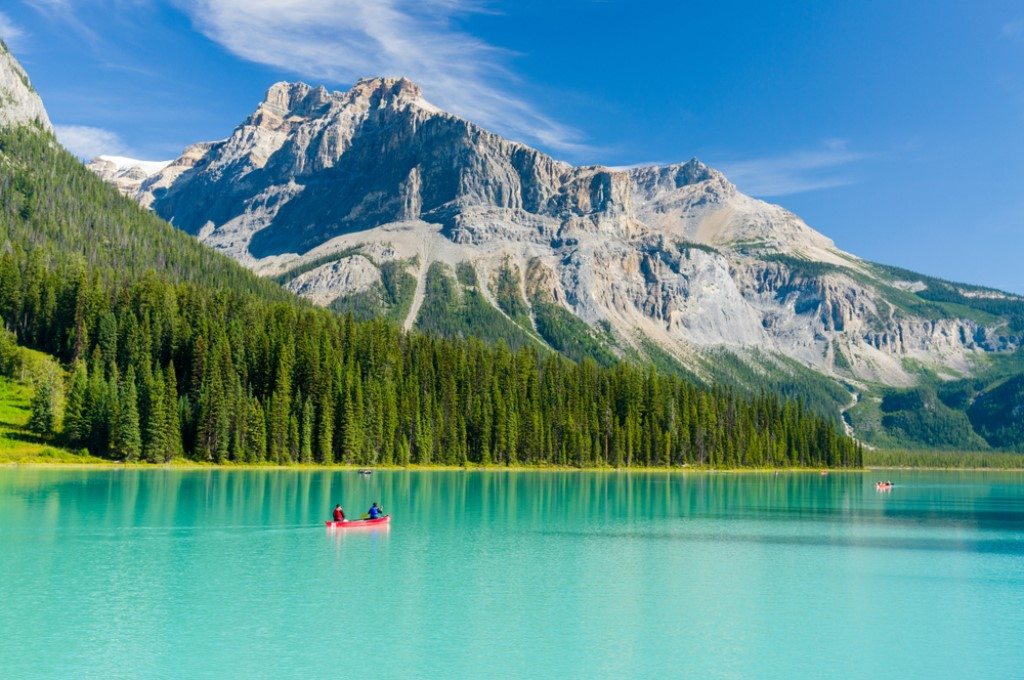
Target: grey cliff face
(19, 102)
(309, 165)
(671, 255)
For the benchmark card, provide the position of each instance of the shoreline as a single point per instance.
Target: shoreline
(185, 465)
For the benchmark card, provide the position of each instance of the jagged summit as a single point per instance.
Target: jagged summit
(19, 102)
(676, 175)
(387, 155)
(396, 87)
(285, 98)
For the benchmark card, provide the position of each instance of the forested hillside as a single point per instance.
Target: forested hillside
(173, 350)
(54, 210)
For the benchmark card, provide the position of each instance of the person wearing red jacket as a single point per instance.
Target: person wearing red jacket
(339, 514)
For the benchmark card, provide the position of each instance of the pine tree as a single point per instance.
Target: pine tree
(280, 410)
(43, 418)
(256, 432)
(155, 434)
(77, 419)
(306, 435)
(172, 420)
(107, 340)
(352, 429)
(325, 431)
(293, 439)
(126, 437)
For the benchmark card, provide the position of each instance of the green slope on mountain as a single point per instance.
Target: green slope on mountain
(972, 413)
(997, 413)
(981, 412)
(948, 299)
(757, 372)
(454, 307)
(390, 298)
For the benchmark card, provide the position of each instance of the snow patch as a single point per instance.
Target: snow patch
(125, 163)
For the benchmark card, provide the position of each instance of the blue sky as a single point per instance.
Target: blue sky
(896, 128)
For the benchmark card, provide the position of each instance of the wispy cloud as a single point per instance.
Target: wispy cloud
(64, 11)
(797, 172)
(87, 142)
(1013, 29)
(9, 32)
(343, 40)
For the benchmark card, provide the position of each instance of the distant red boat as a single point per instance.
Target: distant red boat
(356, 523)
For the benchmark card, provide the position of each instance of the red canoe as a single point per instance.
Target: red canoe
(354, 523)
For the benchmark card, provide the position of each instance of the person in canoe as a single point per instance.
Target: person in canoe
(375, 511)
(339, 514)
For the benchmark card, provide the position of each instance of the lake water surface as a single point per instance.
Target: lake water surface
(165, 573)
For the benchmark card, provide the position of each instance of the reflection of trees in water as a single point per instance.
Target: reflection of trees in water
(547, 497)
(256, 499)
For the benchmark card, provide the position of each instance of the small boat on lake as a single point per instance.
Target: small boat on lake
(356, 523)
(364, 471)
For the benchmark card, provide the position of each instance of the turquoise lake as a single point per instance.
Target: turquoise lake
(166, 573)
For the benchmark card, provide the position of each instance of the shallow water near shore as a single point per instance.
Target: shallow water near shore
(228, 573)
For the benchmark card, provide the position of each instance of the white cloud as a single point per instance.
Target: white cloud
(343, 40)
(795, 172)
(9, 32)
(87, 142)
(1013, 29)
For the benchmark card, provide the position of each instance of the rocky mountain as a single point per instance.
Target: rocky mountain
(127, 174)
(19, 102)
(377, 202)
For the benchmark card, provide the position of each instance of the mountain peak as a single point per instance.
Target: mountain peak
(449, 172)
(677, 175)
(388, 86)
(284, 98)
(21, 103)
(390, 91)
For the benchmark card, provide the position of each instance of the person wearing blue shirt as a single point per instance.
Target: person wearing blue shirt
(375, 511)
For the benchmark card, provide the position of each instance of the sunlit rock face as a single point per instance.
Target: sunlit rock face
(341, 183)
(19, 102)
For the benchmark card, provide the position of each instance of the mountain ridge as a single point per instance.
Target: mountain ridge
(325, 190)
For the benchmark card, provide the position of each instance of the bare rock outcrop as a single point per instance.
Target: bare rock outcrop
(19, 102)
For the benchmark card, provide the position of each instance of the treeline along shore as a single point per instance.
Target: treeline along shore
(168, 350)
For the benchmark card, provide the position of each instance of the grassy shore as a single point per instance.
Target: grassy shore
(45, 456)
(17, 444)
